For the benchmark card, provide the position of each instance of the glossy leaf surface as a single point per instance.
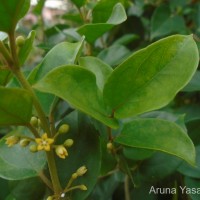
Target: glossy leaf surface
(99, 68)
(151, 77)
(78, 87)
(62, 54)
(159, 135)
(15, 106)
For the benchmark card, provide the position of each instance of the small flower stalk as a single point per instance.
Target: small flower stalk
(79, 172)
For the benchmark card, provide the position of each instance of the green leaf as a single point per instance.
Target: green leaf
(99, 68)
(15, 106)
(194, 84)
(159, 135)
(5, 76)
(114, 54)
(192, 186)
(84, 152)
(101, 12)
(137, 154)
(26, 48)
(10, 13)
(77, 86)
(158, 167)
(31, 189)
(4, 188)
(164, 23)
(118, 15)
(95, 30)
(150, 78)
(191, 171)
(62, 54)
(193, 127)
(18, 163)
(79, 3)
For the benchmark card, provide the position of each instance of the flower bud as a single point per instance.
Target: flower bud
(63, 129)
(68, 143)
(20, 41)
(33, 148)
(24, 142)
(49, 198)
(61, 151)
(110, 146)
(12, 140)
(81, 171)
(34, 121)
(83, 187)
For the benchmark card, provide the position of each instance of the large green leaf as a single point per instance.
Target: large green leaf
(10, 12)
(85, 151)
(95, 30)
(18, 163)
(99, 68)
(151, 77)
(77, 86)
(62, 54)
(159, 135)
(15, 106)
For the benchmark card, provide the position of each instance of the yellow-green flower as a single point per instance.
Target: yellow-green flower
(12, 140)
(44, 143)
(61, 151)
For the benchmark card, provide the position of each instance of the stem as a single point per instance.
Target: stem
(36, 103)
(33, 130)
(13, 50)
(73, 188)
(5, 53)
(109, 131)
(45, 125)
(53, 172)
(45, 180)
(126, 188)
